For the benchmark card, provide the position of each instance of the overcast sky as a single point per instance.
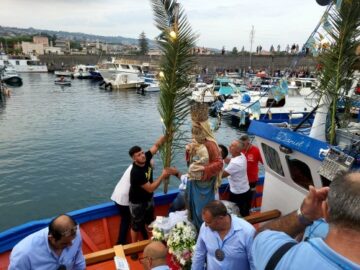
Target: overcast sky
(218, 22)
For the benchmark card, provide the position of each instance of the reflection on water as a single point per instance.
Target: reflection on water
(64, 148)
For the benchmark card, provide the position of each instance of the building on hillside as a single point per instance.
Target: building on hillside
(154, 52)
(41, 40)
(63, 44)
(53, 50)
(114, 48)
(32, 48)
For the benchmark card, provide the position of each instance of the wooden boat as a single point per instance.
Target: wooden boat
(99, 227)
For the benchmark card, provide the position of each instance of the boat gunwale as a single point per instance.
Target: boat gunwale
(10, 237)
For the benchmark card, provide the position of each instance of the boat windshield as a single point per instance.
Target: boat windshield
(33, 63)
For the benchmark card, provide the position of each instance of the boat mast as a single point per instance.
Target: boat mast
(252, 34)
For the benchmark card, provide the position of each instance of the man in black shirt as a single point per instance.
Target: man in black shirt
(142, 187)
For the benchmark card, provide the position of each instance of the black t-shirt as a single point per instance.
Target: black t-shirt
(138, 177)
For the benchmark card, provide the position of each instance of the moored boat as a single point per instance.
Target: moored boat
(9, 75)
(64, 73)
(62, 82)
(26, 64)
(122, 81)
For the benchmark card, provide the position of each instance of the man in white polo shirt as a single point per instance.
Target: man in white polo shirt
(236, 171)
(120, 196)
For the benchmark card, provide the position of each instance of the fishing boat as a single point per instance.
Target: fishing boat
(292, 162)
(99, 227)
(222, 88)
(291, 108)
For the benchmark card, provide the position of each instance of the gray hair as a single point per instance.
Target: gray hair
(344, 200)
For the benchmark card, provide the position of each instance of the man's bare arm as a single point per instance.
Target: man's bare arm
(157, 144)
(310, 210)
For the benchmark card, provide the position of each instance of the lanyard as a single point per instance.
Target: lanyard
(223, 243)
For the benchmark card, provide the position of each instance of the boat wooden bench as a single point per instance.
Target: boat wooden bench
(119, 250)
(125, 250)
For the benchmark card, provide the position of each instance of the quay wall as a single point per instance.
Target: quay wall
(211, 62)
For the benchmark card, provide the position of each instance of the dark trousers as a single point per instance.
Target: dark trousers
(178, 203)
(125, 225)
(243, 201)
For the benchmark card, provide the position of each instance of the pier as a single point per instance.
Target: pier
(211, 62)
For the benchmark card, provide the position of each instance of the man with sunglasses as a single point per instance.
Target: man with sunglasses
(154, 257)
(57, 246)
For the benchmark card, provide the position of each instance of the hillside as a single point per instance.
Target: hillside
(6, 31)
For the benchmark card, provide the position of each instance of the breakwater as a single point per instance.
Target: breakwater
(211, 62)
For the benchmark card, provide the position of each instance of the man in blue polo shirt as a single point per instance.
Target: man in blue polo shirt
(224, 240)
(55, 247)
(340, 249)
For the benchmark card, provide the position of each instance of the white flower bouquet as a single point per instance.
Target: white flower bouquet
(161, 226)
(158, 234)
(181, 243)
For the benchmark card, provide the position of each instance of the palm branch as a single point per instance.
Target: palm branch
(176, 42)
(338, 61)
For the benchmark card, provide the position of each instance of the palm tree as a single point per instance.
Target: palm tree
(176, 42)
(338, 61)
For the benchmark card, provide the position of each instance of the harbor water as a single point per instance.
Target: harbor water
(65, 148)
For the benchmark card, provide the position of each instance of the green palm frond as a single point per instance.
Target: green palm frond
(176, 42)
(338, 61)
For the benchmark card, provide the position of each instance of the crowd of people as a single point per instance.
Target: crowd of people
(225, 241)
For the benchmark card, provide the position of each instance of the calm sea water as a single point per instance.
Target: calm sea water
(65, 148)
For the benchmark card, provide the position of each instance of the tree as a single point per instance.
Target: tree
(143, 44)
(234, 51)
(75, 45)
(223, 50)
(272, 49)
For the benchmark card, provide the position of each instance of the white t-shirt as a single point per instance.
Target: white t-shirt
(237, 170)
(121, 192)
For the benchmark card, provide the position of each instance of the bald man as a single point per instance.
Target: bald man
(155, 256)
(55, 247)
(236, 171)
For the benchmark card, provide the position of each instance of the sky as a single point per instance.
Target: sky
(218, 23)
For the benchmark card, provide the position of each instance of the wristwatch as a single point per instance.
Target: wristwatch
(302, 219)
